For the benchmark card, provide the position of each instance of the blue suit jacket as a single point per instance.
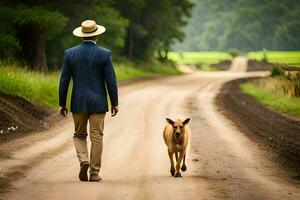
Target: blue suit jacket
(91, 70)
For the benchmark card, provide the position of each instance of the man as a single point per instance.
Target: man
(90, 67)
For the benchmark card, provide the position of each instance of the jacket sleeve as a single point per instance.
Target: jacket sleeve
(111, 81)
(64, 82)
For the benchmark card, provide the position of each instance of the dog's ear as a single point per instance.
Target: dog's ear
(170, 121)
(185, 122)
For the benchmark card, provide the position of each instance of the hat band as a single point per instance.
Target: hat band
(90, 31)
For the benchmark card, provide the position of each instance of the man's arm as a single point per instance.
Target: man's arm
(111, 84)
(64, 85)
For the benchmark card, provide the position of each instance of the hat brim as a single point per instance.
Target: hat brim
(78, 32)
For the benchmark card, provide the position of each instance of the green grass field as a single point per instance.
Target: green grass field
(43, 88)
(206, 58)
(268, 92)
(280, 57)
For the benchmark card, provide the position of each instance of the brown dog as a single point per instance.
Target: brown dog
(176, 136)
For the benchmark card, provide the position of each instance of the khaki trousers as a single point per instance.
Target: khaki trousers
(96, 121)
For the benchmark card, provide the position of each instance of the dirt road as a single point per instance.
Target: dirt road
(222, 162)
(239, 64)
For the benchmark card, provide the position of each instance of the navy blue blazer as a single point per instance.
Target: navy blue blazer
(91, 69)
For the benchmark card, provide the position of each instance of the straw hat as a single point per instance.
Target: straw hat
(88, 28)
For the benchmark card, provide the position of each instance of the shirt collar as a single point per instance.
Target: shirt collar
(90, 41)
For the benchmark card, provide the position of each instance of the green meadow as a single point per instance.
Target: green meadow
(212, 57)
(278, 57)
(205, 58)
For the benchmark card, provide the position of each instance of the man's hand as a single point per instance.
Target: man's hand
(114, 111)
(63, 111)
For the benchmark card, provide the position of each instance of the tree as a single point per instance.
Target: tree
(102, 13)
(29, 27)
(154, 25)
(40, 30)
(286, 35)
(245, 25)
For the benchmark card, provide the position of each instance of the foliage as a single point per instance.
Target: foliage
(286, 36)
(23, 35)
(105, 15)
(244, 25)
(154, 25)
(233, 52)
(277, 71)
(38, 32)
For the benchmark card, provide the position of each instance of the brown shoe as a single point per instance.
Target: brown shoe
(84, 166)
(95, 178)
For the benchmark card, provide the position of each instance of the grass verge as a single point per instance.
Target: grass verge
(206, 68)
(33, 86)
(126, 70)
(266, 92)
(43, 88)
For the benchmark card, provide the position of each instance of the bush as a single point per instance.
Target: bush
(233, 52)
(265, 57)
(277, 71)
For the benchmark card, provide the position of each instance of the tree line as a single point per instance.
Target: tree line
(35, 33)
(244, 25)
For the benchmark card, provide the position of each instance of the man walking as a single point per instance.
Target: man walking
(90, 67)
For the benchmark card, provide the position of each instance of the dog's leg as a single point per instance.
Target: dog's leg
(183, 168)
(172, 170)
(176, 156)
(178, 164)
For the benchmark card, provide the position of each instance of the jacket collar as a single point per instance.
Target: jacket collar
(89, 42)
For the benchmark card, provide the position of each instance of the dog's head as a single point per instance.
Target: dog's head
(178, 126)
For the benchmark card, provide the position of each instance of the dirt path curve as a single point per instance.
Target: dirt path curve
(187, 69)
(239, 64)
(222, 163)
